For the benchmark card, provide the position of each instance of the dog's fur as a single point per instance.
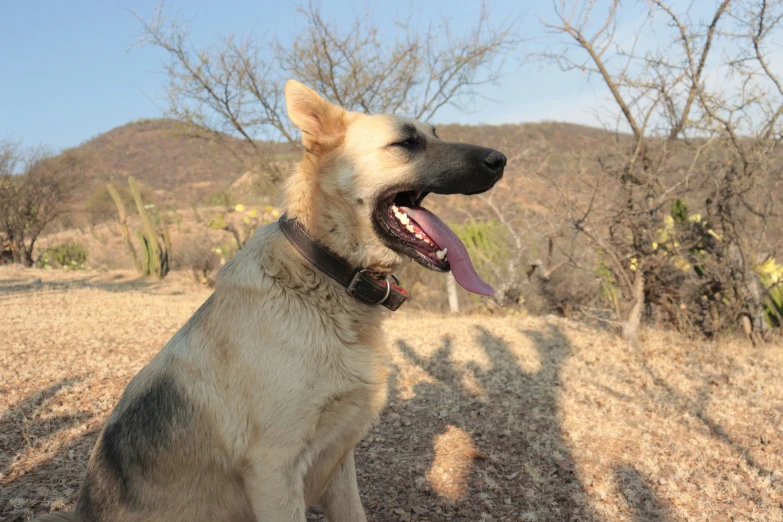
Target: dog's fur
(251, 411)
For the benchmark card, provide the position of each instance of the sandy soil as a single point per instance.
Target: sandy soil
(489, 418)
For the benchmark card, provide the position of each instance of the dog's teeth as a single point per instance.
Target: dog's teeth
(404, 219)
(419, 236)
(410, 228)
(395, 209)
(427, 241)
(442, 253)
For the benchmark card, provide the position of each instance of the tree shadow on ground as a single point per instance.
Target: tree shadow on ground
(643, 504)
(25, 433)
(475, 443)
(116, 283)
(698, 409)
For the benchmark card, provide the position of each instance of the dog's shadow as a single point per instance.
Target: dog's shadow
(475, 444)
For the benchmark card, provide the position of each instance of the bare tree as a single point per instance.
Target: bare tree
(32, 200)
(236, 86)
(10, 158)
(682, 205)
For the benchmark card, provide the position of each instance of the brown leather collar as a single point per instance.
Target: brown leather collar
(363, 283)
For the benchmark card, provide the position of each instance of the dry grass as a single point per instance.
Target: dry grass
(489, 418)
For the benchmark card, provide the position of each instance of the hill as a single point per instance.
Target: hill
(165, 158)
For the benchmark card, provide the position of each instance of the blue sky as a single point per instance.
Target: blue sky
(70, 69)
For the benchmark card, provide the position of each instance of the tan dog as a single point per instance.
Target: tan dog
(252, 410)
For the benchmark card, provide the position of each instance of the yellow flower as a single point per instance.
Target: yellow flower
(275, 213)
(770, 271)
(240, 207)
(682, 264)
(252, 213)
(768, 267)
(694, 218)
(655, 245)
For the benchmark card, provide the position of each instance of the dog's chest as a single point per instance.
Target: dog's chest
(357, 396)
(342, 421)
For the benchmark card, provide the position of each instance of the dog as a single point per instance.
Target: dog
(252, 410)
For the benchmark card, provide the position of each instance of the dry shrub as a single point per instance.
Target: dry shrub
(197, 255)
(564, 292)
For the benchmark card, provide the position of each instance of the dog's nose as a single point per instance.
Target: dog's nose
(495, 161)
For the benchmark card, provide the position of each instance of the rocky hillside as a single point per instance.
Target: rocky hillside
(166, 159)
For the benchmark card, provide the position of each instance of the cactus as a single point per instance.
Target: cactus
(154, 257)
(124, 225)
(155, 260)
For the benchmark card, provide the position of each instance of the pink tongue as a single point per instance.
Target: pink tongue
(457, 256)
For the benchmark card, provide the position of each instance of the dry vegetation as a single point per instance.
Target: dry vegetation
(502, 417)
(488, 419)
(162, 155)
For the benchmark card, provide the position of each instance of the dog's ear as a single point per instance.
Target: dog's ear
(322, 124)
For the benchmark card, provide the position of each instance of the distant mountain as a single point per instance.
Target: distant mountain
(164, 158)
(175, 165)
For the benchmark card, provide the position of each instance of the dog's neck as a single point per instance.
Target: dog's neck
(364, 284)
(330, 218)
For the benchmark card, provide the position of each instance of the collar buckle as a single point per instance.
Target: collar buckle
(357, 277)
(355, 281)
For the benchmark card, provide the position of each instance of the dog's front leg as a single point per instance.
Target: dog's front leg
(276, 494)
(341, 500)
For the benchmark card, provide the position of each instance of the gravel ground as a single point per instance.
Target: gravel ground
(490, 418)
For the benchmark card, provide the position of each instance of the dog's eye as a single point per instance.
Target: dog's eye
(407, 143)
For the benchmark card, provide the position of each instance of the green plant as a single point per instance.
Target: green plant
(68, 256)
(226, 251)
(486, 242)
(771, 276)
(221, 198)
(155, 244)
(487, 245)
(154, 240)
(123, 218)
(607, 282)
(177, 217)
(251, 220)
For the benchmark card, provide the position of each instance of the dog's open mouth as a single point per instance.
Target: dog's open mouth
(416, 232)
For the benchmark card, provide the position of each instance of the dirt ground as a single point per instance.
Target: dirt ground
(489, 418)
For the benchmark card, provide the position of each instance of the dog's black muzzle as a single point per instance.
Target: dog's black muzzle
(458, 168)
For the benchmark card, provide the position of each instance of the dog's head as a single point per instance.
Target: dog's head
(360, 186)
